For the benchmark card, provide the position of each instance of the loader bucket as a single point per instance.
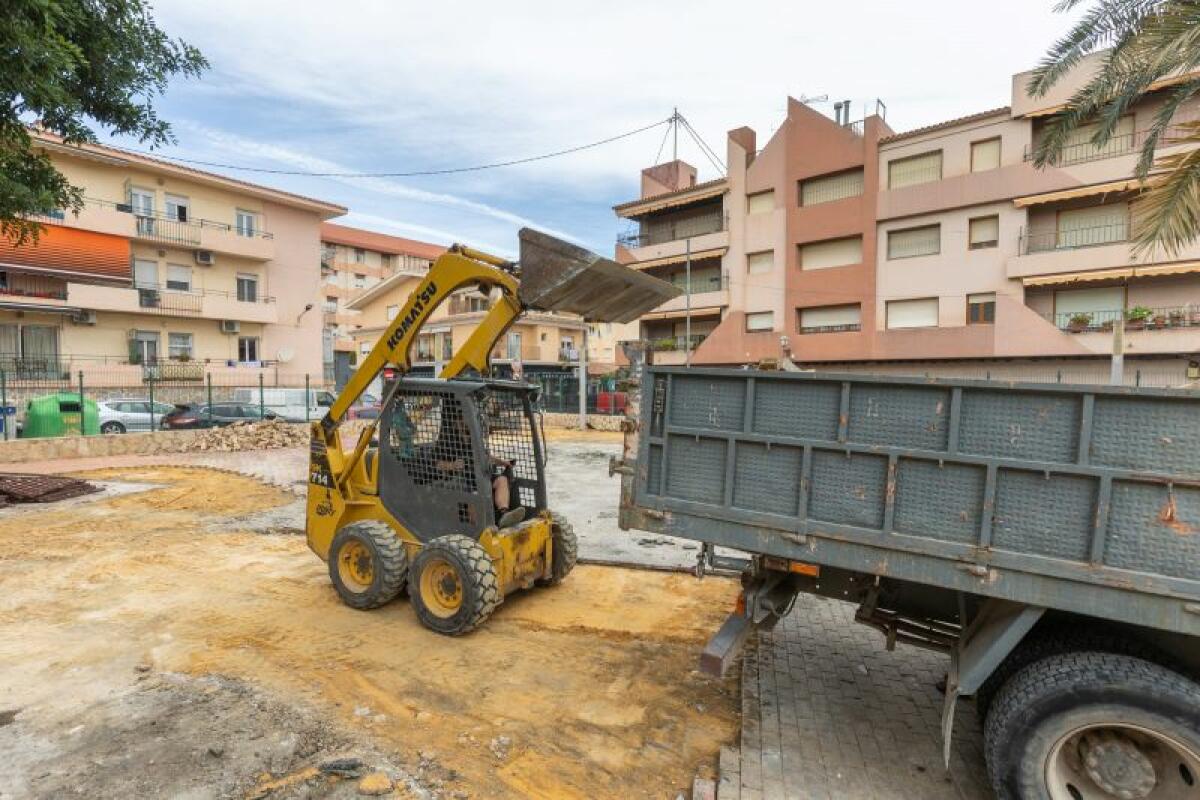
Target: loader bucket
(558, 276)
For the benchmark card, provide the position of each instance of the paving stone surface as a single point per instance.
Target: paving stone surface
(829, 714)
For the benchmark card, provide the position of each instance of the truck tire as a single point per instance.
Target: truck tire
(453, 585)
(367, 564)
(566, 550)
(1090, 725)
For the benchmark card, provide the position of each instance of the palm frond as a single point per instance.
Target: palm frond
(1168, 213)
(1107, 24)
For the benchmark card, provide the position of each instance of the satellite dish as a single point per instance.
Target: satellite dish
(285, 355)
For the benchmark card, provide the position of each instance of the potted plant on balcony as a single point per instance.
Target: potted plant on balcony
(1079, 321)
(1135, 318)
(1177, 318)
(1160, 320)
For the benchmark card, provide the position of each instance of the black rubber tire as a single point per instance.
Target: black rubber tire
(112, 427)
(389, 560)
(476, 575)
(565, 553)
(1058, 637)
(1053, 696)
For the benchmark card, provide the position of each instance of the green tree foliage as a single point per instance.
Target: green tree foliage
(66, 65)
(1147, 42)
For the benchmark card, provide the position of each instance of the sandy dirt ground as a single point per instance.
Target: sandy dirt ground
(171, 638)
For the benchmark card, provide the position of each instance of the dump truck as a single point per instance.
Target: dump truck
(1046, 538)
(444, 492)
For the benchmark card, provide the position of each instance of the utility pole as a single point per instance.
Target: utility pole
(1117, 375)
(583, 381)
(687, 304)
(675, 135)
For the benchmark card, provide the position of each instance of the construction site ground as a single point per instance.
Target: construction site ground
(173, 636)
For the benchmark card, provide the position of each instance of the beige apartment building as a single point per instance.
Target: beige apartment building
(538, 343)
(941, 250)
(354, 260)
(166, 271)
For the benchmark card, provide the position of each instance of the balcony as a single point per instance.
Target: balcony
(653, 233)
(1074, 238)
(119, 219)
(1138, 318)
(160, 301)
(465, 304)
(33, 288)
(1119, 145)
(708, 292)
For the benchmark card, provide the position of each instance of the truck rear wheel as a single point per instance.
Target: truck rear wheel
(566, 551)
(453, 585)
(1094, 726)
(367, 564)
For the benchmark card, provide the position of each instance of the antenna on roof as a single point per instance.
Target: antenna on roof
(808, 101)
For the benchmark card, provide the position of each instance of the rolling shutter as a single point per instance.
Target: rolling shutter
(921, 313)
(844, 316)
(985, 155)
(759, 263)
(831, 253)
(915, 169)
(760, 202)
(827, 188)
(911, 242)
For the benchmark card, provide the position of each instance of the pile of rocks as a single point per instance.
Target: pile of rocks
(250, 436)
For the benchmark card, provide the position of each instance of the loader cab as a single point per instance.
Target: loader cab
(442, 444)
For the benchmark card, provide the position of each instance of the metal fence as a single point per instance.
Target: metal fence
(24, 387)
(560, 394)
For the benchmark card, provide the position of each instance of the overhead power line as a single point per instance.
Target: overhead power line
(412, 174)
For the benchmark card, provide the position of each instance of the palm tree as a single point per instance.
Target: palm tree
(1149, 43)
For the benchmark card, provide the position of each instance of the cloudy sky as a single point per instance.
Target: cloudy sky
(377, 86)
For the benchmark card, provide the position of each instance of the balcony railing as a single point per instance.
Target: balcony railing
(186, 301)
(850, 326)
(468, 305)
(700, 285)
(672, 343)
(15, 284)
(1116, 146)
(157, 225)
(1072, 238)
(1137, 318)
(19, 368)
(673, 231)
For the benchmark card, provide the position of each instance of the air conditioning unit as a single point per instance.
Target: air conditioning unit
(84, 317)
(205, 258)
(230, 326)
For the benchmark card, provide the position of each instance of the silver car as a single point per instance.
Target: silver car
(123, 414)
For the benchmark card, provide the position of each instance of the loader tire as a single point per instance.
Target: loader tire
(367, 564)
(1094, 725)
(566, 551)
(453, 585)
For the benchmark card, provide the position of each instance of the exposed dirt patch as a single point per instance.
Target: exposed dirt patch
(584, 690)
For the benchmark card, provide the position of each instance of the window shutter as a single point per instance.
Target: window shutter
(760, 202)
(827, 188)
(985, 155)
(830, 316)
(831, 253)
(984, 231)
(1079, 227)
(915, 169)
(921, 313)
(1089, 301)
(758, 263)
(760, 321)
(923, 241)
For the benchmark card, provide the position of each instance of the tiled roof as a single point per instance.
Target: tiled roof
(699, 187)
(950, 123)
(379, 242)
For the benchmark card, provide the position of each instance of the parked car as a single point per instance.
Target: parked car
(122, 414)
(294, 405)
(191, 415)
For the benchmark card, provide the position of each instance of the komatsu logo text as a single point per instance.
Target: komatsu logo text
(419, 307)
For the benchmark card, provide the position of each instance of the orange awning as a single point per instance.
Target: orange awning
(706, 311)
(71, 252)
(1126, 185)
(699, 255)
(1148, 271)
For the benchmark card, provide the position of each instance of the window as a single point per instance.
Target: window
(760, 202)
(827, 188)
(360, 256)
(447, 346)
(144, 347)
(981, 308)
(177, 207)
(831, 319)
(360, 281)
(1078, 146)
(142, 201)
(760, 321)
(392, 312)
(39, 344)
(914, 170)
(831, 253)
(330, 305)
(247, 222)
(985, 155)
(1102, 305)
(247, 288)
(145, 273)
(921, 313)
(983, 232)
(759, 263)
(179, 277)
(1082, 227)
(247, 349)
(514, 346)
(179, 345)
(912, 242)
(385, 261)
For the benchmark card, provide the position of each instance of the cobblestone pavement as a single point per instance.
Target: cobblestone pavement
(828, 713)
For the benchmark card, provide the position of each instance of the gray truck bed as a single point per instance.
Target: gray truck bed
(1082, 498)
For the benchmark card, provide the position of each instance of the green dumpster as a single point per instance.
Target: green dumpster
(59, 415)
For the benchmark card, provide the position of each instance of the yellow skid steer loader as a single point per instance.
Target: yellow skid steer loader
(445, 493)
